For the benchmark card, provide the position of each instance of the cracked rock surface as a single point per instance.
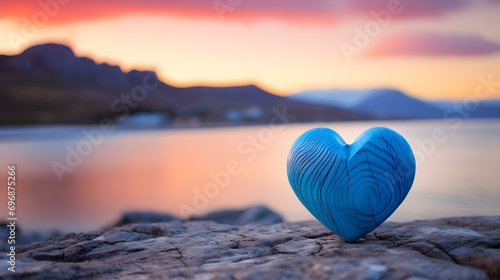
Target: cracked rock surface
(451, 248)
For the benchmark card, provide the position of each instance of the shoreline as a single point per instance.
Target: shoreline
(6, 130)
(448, 248)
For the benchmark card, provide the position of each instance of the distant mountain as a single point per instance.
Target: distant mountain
(384, 103)
(380, 102)
(481, 109)
(49, 84)
(492, 103)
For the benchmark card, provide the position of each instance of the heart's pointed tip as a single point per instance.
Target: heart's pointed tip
(349, 236)
(351, 239)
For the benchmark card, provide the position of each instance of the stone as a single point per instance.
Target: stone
(23, 237)
(351, 189)
(142, 217)
(252, 215)
(451, 248)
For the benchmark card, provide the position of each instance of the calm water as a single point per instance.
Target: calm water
(168, 171)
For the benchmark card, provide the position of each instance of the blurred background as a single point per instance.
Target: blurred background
(185, 107)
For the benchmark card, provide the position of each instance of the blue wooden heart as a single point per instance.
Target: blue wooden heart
(351, 189)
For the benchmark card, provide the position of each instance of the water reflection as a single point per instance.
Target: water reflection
(162, 170)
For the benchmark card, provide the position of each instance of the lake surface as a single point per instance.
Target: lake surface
(180, 171)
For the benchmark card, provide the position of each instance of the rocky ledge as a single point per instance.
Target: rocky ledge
(452, 248)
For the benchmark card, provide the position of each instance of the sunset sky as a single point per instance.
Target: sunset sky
(428, 48)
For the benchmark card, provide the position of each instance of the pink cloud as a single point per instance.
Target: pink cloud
(409, 8)
(432, 44)
(242, 10)
(313, 11)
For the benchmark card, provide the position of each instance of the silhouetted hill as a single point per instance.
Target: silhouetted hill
(49, 84)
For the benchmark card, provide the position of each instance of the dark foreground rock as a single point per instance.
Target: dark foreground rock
(252, 215)
(257, 214)
(454, 248)
(23, 237)
(144, 217)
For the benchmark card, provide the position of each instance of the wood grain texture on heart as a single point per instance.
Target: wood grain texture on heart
(351, 189)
